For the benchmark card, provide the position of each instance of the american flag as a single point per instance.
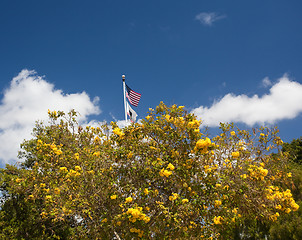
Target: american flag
(132, 96)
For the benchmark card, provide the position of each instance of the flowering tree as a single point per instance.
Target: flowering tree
(160, 178)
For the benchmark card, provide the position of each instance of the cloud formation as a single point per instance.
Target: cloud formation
(282, 102)
(27, 100)
(208, 18)
(266, 82)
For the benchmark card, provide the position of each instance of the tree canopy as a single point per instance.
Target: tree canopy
(161, 178)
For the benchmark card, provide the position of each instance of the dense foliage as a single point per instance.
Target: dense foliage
(289, 226)
(160, 178)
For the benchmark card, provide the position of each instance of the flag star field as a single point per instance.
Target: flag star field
(225, 61)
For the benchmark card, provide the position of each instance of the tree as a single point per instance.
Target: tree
(290, 226)
(160, 178)
(294, 150)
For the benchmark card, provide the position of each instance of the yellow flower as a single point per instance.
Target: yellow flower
(146, 191)
(58, 152)
(235, 154)
(185, 200)
(130, 154)
(78, 168)
(243, 176)
(63, 169)
(104, 220)
(146, 219)
(294, 206)
(113, 197)
(97, 154)
(217, 220)
(18, 180)
(203, 143)
(165, 173)
(233, 133)
(173, 197)
(118, 223)
(217, 203)
(57, 191)
(128, 200)
(97, 139)
(43, 214)
(289, 175)
(118, 131)
(48, 197)
(140, 234)
(170, 166)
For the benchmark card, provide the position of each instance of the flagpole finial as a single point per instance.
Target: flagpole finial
(123, 77)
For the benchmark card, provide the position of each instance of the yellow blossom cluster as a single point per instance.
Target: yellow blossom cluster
(63, 170)
(179, 122)
(235, 154)
(173, 197)
(208, 169)
(257, 172)
(73, 173)
(128, 200)
(18, 180)
(194, 124)
(202, 145)
(138, 231)
(217, 220)
(136, 214)
(284, 200)
(274, 216)
(97, 154)
(164, 172)
(118, 132)
(217, 203)
(146, 191)
(57, 191)
(55, 149)
(170, 166)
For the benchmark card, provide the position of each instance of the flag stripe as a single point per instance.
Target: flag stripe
(132, 96)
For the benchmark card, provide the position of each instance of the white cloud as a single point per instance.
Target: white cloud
(26, 100)
(282, 102)
(266, 82)
(208, 18)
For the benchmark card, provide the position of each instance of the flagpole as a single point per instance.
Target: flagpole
(124, 90)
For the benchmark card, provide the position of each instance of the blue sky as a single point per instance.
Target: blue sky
(223, 60)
